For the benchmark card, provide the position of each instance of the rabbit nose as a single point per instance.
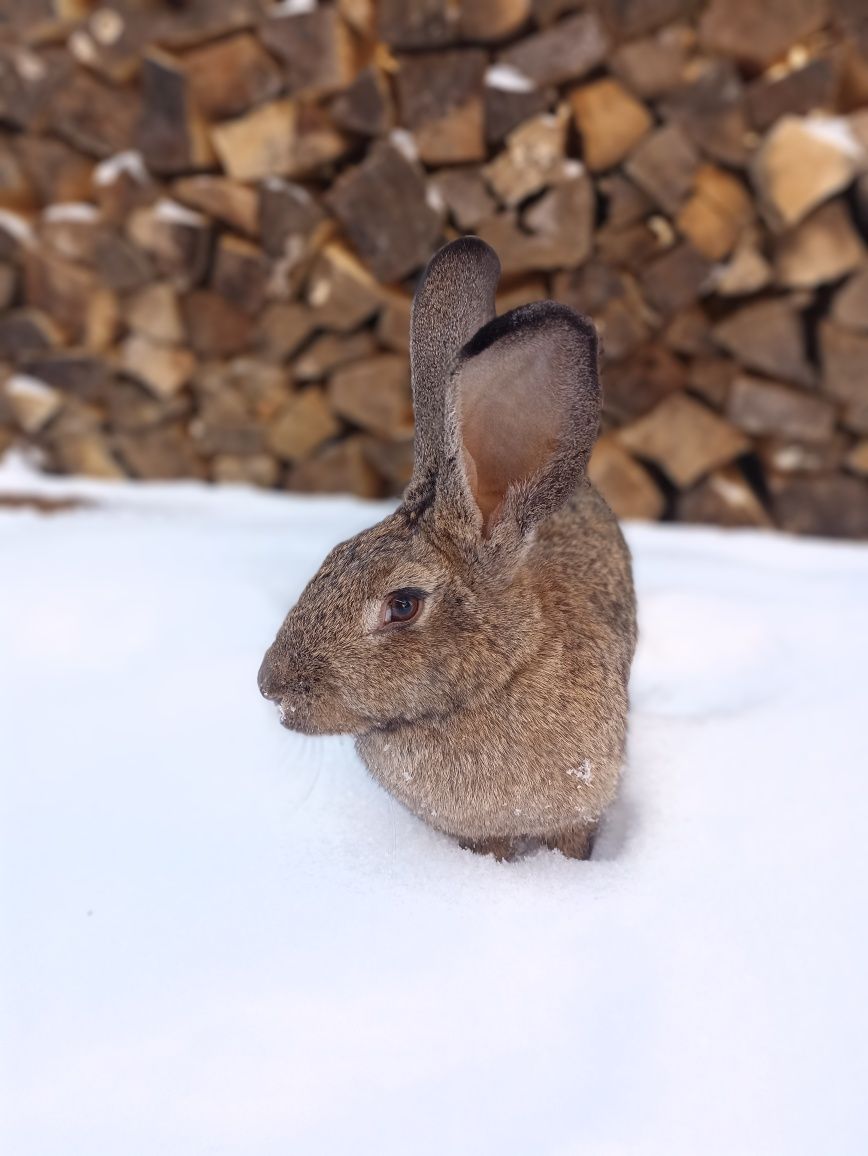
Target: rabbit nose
(268, 682)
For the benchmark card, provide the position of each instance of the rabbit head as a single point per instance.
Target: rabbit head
(408, 620)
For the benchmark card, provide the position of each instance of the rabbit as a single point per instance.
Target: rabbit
(477, 642)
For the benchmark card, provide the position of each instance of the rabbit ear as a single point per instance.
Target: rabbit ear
(453, 300)
(523, 411)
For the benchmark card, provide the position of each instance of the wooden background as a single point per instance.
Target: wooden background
(212, 215)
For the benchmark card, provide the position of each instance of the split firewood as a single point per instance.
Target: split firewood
(850, 306)
(664, 166)
(155, 312)
(32, 401)
(510, 98)
(365, 105)
(241, 273)
(440, 98)
(172, 136)
(832, 506)
(96, 118)
(822, 248)
(627, 487)
(80, 375)
(382, 204)
(375, 395)
(176, 238)
(534, 157)
(772, 409)
(724, 498)
(767, 336)
(464, 194)
(329, 351)
(215, 326)
(314, 47)
(162, 368)
(611, 121)
(716, 215)
(684, 438)
(340, 468)
(655, 65)
(233, 204)
(758, 35)
(228, 77)
(567, 51)
(305, 423)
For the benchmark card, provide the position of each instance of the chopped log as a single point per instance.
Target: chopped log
(758, 35)
(417, 23)
(260, 144)
(164, 453)
(231, 76)
(829, 507)
(515, 291)
(664, 166)
(844, 358)
(383, 207)
(282, 329)
(392, 461)
(689, 333)
(119, 265)
(177, 239)
(534, 157)
(684, 438)
(133, 407)
(80, 375)
(768, 337)
(61, 289)
(716, 215)
(24, 331)
(163, 369)
(567, 51)
(493, 20)
(711, 378)
(745, 273)
(304, 424)
(611, 121)
(850, 306)
(331, 350)
(216, 328)
(55, 172)
(824, 247)
(724, 498)
(803, 90)
(786, 456)
(245, 470)
(223, 425)
(635, 386)
(464, 194)
(8, 285)
(625, 203)
(557, 232)
(711, 111)
(623, 326)
(172, 136)
(72, 230)
(341, 468)
(315, 49)
(365, 106)
(288, 215)
(155, 312)
(511, 98)
(770, 409)
(631, 18)
(94, 117)
(227, 201)
(375, 395)
(801, 164)
(33, 402)
(627, 487)
(440, 97)
(656, 65)
(199, 20)
(15, 190)
(857, 459)
(675, 280)
(393, 324)
(76, 445)
(241, 273)
(122, 184)
(341, 291)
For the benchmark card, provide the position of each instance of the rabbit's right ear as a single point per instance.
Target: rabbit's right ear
(454, 299)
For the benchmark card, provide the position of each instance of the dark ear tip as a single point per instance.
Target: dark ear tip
(465, 256)
(536, 317)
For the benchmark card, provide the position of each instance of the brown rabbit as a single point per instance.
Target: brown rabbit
(478, 641)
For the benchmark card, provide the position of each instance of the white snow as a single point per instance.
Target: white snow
(80, 212)
(174, 213)
(218, 937)
(130, 162)
(508, 78)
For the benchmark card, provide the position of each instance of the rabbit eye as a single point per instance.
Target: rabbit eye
(402, 606)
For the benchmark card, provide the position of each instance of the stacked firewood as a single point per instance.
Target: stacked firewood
(213, 213)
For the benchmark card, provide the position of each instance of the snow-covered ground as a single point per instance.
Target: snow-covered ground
(221, 938)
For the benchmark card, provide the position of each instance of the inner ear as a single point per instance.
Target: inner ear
(525, 398)
(511, 425)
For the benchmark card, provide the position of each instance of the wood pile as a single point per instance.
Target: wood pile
(213, 212)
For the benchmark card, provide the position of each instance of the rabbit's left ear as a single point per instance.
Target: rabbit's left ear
(523, 414)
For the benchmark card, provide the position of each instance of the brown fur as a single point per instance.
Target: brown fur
(499, 714)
